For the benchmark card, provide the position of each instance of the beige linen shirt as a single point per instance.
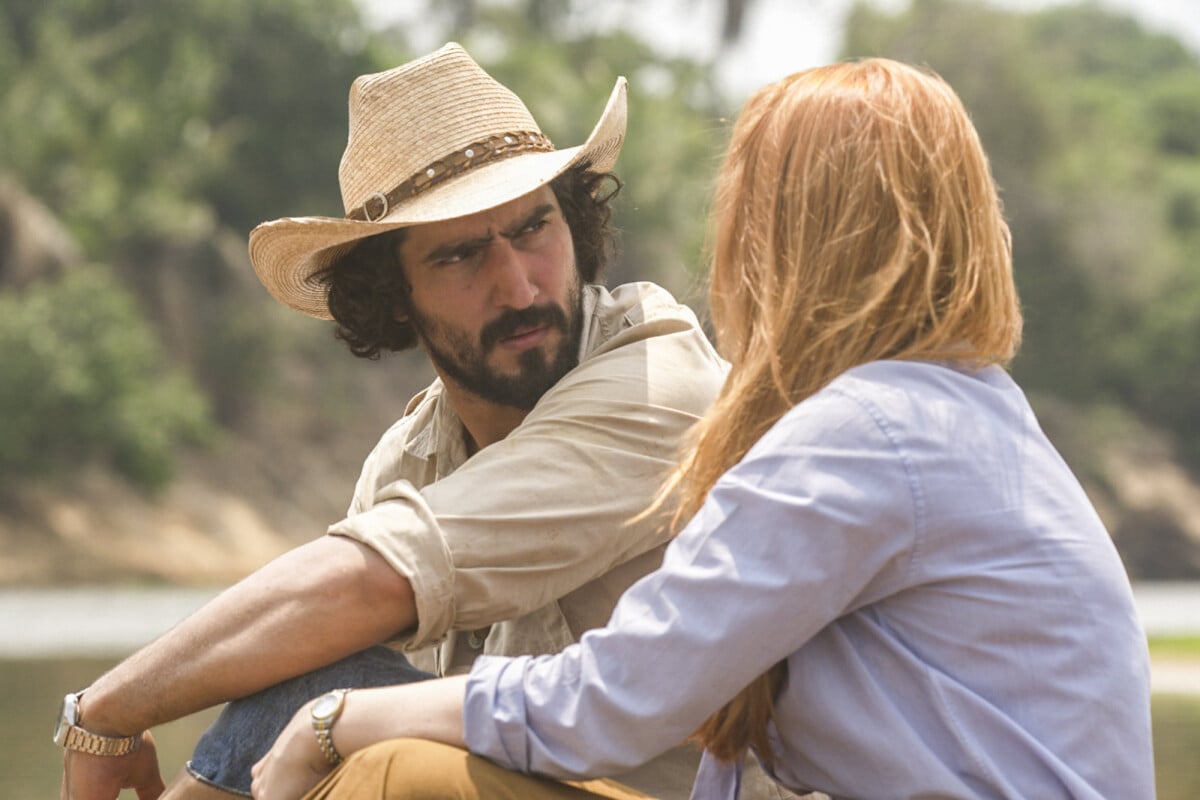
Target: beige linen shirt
(525, 545)
(528, 543)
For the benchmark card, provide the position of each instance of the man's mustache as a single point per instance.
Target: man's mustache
(513, 320)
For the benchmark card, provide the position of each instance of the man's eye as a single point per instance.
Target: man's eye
(534, 227)
(456, 257)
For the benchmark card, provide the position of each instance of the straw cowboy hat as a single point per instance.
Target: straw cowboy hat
(431, 140)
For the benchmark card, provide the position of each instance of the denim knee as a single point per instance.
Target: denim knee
(246, 728)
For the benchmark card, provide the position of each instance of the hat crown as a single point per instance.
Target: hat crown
(405, 119)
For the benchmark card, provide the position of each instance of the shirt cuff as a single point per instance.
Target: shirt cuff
(494, 724)
(402, 529)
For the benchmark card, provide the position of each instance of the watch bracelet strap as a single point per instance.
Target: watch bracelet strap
(325, 741)
(94, 744)
(324, 730)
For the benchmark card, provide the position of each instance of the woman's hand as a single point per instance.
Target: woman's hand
(293, 765)
(430, 709)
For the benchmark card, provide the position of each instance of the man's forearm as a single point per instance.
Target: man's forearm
(307, 608)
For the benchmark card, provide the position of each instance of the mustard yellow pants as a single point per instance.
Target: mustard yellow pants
(415, 769)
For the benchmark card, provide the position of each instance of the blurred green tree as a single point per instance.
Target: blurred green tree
(1093, 127)
(85, 379)
(159, 132)
(142, 121)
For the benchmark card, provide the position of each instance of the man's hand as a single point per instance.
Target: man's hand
(88, 777)
(294, 764)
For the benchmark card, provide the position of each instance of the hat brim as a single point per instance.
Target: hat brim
(287, 253)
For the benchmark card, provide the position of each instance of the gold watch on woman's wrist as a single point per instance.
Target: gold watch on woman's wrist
(325, 711)
(68, 734)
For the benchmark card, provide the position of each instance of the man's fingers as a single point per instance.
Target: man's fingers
(88, 777)
(151, 792)
(148, 778)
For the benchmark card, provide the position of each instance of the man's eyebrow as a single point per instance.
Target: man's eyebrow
(461, 246)
(456, 247)
(539, 213)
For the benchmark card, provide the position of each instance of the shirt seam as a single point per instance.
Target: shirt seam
(916, 493)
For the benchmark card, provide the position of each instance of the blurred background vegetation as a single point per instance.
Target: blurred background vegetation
(143, 368)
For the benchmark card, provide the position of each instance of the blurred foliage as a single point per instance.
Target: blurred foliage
(85, 378)
(160, 131)
(1174, 645)
(1093, 127)
(137, 121)
(152, 130)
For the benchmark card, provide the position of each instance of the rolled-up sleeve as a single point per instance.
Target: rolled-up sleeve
(403, 529)
(533, 517)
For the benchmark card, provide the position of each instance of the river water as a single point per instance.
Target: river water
(55, 640)
(113, 621)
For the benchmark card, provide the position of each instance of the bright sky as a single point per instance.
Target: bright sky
(783, 36)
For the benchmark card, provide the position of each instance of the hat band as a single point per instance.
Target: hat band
(493, 148)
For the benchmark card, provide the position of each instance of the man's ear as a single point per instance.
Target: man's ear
(400, 310)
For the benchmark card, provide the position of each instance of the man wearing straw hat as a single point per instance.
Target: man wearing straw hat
(500, 514)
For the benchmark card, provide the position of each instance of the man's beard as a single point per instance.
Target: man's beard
(465, 362)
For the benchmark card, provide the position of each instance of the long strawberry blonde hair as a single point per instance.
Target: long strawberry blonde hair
(855, 219)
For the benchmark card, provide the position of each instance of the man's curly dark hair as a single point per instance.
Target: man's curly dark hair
(367, 285)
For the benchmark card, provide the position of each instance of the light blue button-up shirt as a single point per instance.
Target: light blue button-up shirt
(955, 619)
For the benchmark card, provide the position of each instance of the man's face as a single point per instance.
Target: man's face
(495, 298)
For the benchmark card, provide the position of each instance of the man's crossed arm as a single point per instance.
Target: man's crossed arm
(309, 607)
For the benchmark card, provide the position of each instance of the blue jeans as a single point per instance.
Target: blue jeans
(247, 728)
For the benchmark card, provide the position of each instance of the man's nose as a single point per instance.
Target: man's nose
(512, 286)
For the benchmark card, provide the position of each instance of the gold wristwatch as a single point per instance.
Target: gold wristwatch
(325, 712)
(68, 734)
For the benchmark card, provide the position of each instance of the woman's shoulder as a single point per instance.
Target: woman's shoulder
(906, 388)
(899, 399)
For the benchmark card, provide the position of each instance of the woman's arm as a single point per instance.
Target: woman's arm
(816, 520)
(424, 710)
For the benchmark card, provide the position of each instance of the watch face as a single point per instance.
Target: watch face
(326, 705)
(66, 718)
